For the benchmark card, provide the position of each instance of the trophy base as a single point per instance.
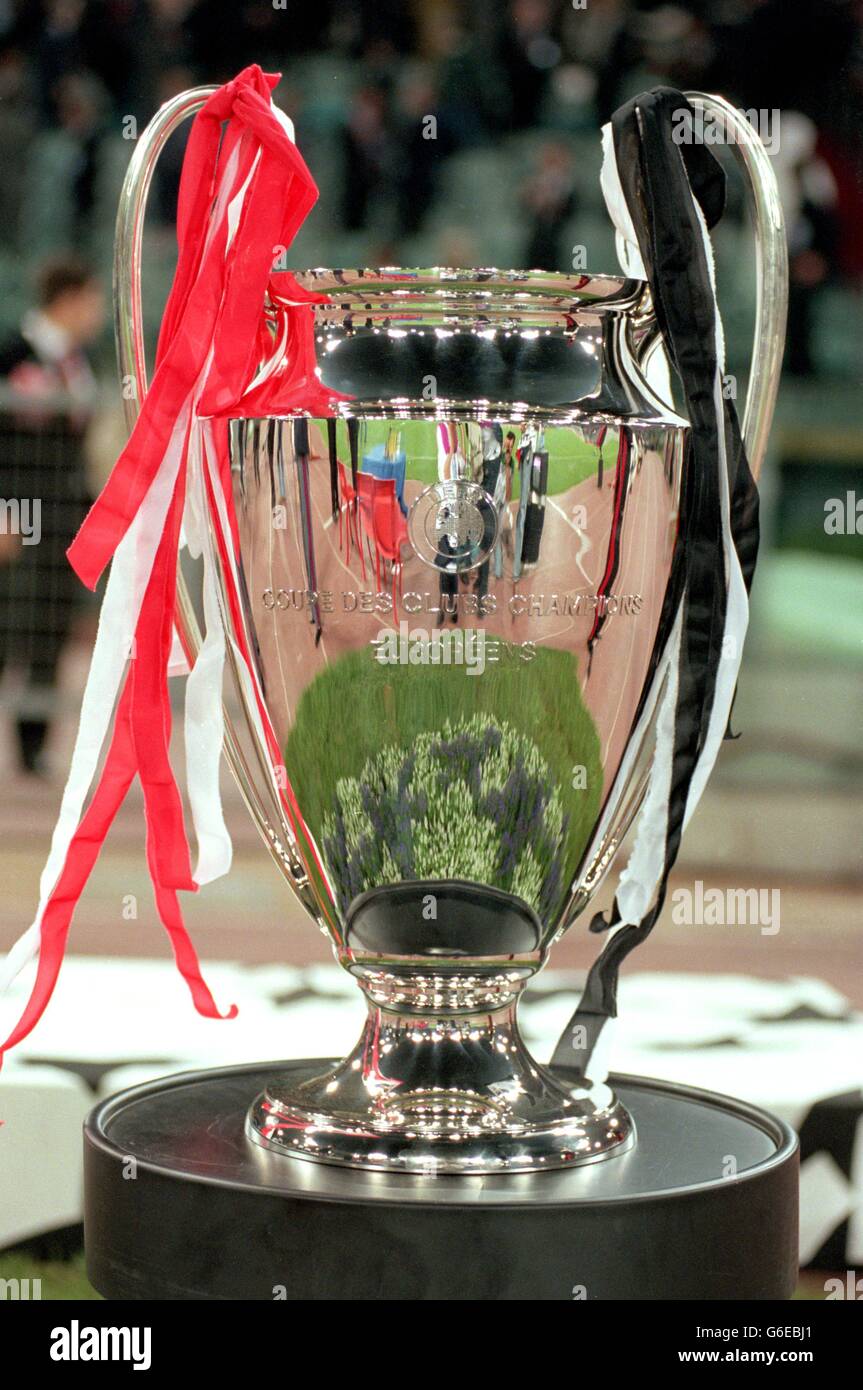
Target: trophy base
(540, 1125)
(440, 1080)
(211, 1216)
(442, 1090)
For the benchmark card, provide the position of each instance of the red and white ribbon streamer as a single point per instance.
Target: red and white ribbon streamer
(245, 191)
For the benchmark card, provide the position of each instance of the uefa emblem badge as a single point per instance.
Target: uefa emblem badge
(453, 525)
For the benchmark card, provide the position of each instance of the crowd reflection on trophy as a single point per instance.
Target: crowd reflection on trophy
(510, 468)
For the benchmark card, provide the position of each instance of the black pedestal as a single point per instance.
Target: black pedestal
(179, 1205)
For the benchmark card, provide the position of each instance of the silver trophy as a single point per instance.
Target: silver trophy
(453, 592)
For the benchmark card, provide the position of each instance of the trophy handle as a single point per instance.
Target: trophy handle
(128, 319)
(771, 261)
(132, 366)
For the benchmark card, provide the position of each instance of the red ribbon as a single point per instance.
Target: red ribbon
(213, 315)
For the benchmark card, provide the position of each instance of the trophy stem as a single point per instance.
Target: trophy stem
(441, 1081)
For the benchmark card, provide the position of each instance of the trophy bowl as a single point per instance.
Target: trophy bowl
(455, 591)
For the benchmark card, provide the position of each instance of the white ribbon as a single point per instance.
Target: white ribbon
(130, 571)
(204, 727)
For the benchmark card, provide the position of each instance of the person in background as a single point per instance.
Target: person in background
(47, 393)
(450, 464)
(497, 483)
(808, 192)
(527, 444)
(423, 143)
(504, 535)
(548, 199)
(368, 157)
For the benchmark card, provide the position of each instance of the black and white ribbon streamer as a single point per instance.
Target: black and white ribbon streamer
(663, 197)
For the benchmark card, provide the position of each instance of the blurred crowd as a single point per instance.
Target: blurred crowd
(441, 132)
(447, 129)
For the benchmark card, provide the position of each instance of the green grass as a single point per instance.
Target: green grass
(570, 458)
(60, 1279)
(357, 707)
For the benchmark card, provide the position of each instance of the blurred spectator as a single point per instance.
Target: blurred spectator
(81, 113)
(367, 157)
(474, 96)
(17, 127)
(369, 29)
(549, 201)
(675, 46)
(80, 36)
(591, 33)
(808, 192)
(422, 141)
(45, 407)
(172, 82)
(530, 50)
(226, 35)
(165, 46)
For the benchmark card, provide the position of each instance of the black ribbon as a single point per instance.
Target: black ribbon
(661, 182)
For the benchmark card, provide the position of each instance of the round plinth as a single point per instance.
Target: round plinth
(179, 1204)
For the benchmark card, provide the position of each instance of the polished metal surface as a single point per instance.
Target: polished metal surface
(441, 1082)
(542, 650)
(458, 714)
(453, 594)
